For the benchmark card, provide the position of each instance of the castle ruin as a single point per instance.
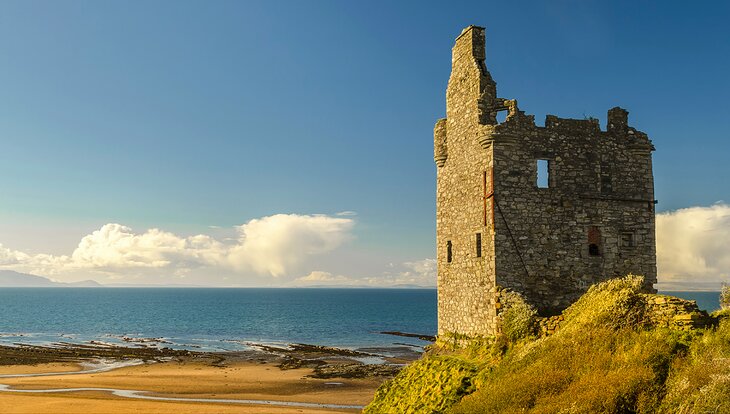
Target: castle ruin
(545, 211)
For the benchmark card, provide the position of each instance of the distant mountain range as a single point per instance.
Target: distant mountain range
(10, 278)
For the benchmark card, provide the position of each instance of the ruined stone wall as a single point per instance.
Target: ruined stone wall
(658, 310)
(595, 221)
(674, 313)
(600, 192)
(466, 284)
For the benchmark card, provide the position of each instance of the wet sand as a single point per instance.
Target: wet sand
(315, 379)
(182, 379)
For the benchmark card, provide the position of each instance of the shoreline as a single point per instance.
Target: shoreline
(297, 378)
(385, 345)
(294, 355)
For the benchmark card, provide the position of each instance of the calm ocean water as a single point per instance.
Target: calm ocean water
(227, 319)
(216, 319)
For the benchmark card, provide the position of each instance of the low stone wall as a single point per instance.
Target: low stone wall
(548, 325)
(675, 313)
(659, 310)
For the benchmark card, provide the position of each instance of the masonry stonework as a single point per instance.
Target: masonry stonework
(590, 218)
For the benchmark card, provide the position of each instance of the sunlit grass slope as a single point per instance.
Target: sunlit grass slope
(603, 359)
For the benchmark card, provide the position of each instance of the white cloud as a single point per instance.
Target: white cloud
(275, 245)
(11, 257)
(419, 272)
(114, 246)
(318, 276)
(346, 213)
(41, 263)
(693, 247)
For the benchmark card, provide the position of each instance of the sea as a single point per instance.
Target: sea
(210, 319)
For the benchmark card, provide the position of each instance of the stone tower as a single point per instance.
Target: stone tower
(545, 211)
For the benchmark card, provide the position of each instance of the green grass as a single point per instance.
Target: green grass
(603, 359)
(517, 320)
(426, 386)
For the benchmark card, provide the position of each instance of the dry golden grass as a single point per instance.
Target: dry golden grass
(603, 359)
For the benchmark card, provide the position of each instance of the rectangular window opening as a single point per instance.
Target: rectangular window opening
(479, 244)
(628, 240)
(543, 174)
(448, 251)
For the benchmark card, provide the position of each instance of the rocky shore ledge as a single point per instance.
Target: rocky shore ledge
(326, 362)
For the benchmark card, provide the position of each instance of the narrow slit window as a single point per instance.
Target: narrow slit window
(479, 244)
(543, 173)
(448, 251)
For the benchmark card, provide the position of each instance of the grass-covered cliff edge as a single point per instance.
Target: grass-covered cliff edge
(616, 350)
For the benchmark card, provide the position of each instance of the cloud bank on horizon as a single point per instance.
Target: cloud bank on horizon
(271, 250)
(414, 273)
(274, 246)
(693, 247)
(289, 249)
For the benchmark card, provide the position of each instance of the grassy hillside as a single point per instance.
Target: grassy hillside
(608, 356)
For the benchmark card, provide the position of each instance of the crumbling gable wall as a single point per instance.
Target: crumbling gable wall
(466, 282)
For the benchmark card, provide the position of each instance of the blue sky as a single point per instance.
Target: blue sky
(195, 117)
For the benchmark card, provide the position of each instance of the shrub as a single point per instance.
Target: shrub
(721, 314)
(615, 303)
(725, 296)
(517, 320)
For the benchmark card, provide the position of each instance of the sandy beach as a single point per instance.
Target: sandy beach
(314, 381)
